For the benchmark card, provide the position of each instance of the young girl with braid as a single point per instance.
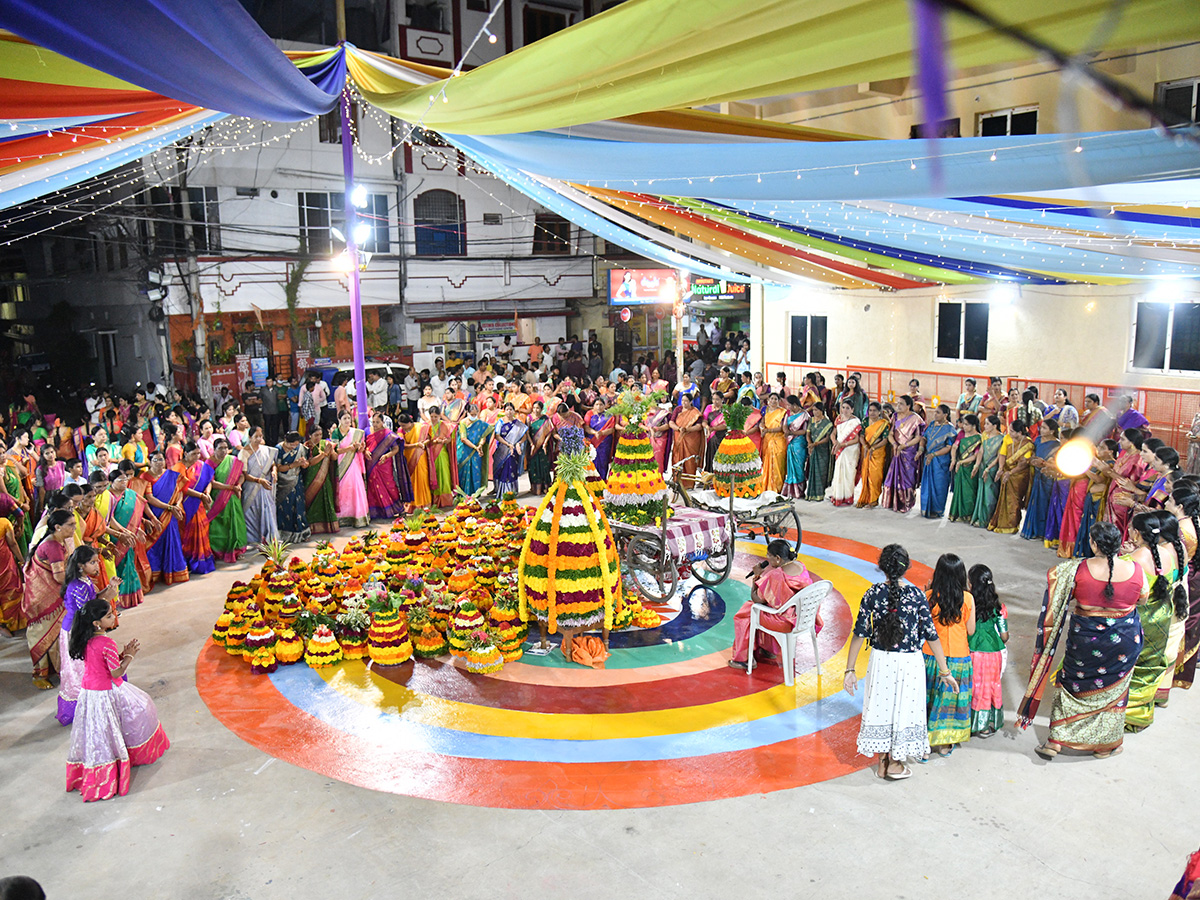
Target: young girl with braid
(1155, 553)
(1185, 506)
(895, 618)
(1099, 598)
(987, 653)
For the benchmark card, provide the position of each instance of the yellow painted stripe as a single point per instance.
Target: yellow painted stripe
(354, 681)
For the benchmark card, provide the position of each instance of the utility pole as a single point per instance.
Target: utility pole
(199, 329)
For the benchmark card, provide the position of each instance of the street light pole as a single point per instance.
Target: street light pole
(356, 322)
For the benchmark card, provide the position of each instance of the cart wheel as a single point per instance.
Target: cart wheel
(655, 580)
(715, 568)
(795, 517)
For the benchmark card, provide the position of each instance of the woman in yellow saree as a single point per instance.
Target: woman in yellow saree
(774, 445)
(873, 462)
(1015, 471)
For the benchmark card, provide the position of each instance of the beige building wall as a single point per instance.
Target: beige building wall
(1073, 333)
(890, 108)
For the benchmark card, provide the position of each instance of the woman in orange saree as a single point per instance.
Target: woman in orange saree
(872, 465)
(418, 467)
(774, 446)
(687, 446)
(1015, 473)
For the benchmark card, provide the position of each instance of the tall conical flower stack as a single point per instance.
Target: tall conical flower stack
(467, 618)
(737, 458)
(569, 570)
(289, 647)
(323, 649)
(635, 493)
(387, 641)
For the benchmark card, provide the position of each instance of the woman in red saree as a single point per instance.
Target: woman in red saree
(1127, 470)
(383, 498)
(12, 619)
(42, 603)
(775, 582)
(659, 424)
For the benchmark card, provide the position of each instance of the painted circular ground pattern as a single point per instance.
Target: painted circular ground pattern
(666, 722)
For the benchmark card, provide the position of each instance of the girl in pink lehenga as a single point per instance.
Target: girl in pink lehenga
(116, 724)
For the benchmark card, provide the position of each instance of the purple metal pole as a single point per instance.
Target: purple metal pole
(356, 323)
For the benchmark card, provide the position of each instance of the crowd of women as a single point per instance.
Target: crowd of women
(1127, 627)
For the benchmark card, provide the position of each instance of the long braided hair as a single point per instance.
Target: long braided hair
(888, 630)
(1170, 533)
(83, 629)
(1106, 538)
(983, 589)
(1187, 498)
(947, 588)
(1147, 526)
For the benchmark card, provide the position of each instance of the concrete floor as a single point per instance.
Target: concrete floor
(219, 819)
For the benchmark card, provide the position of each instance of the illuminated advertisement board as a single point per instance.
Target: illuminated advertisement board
(641, 287)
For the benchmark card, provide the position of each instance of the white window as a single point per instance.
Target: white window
(809, 339)
(962, 331)
(321, 211)
(1166, 337)
(1179, 97)
(1018, 120)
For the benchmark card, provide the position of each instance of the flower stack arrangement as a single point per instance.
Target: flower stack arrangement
(239, 595)
(353, 626)
(221, 628)
(636, 493)
(289, 647)
(467, 619)
(506, 626)
(323, 649)
(736, 460)
(388, 643)
(569, 573)
(262, 661)
(486, 574)
(289, 607)
(235, 636)
(483, 656)
(427, 641)
(462, 579)
(278, 586)
(259, 635)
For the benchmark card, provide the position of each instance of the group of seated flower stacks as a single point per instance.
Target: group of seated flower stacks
(424, 588)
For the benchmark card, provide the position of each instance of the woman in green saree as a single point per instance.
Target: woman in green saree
(1155, 539)
(964, 469)
(13, 485)
(820, 433)
(320, 484)
(987, 470)
(227, 520)
(127, 520)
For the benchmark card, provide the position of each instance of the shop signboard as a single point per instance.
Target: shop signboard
(704, 288)
(642, 287)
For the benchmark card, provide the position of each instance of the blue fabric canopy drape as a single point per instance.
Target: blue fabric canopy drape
(209, 53)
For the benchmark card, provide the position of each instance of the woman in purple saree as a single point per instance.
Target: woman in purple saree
(900, 483)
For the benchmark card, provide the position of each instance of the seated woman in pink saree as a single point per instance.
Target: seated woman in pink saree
(776, 581)
(383, 498)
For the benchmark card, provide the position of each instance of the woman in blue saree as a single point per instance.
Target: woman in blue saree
(165, 552)
(1034, 526)
(601, 430)
(939, 439)
(510, 449)
(795, 428)
(473, 434)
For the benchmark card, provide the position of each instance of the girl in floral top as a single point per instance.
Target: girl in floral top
(896, 619)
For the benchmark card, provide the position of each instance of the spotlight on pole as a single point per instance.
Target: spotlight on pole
(358, 196)
(491, 37)
(1075, 456)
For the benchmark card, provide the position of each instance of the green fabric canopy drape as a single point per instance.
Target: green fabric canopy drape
(649, 55)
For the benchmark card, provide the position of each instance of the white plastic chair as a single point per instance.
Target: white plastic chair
(806, 604)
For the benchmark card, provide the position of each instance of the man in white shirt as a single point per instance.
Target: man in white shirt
(561, 350)
(504, 350)
(94, 405)
(376, 391)
(439, 380)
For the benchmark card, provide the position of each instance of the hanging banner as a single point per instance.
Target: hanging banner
(490, 328)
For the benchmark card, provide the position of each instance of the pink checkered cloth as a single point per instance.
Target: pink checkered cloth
(696, 531)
